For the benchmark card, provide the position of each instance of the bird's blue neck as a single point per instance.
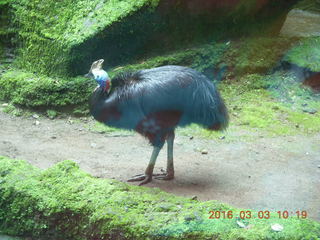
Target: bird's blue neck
(102, 78)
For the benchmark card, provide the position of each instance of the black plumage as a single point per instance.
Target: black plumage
(155, 101)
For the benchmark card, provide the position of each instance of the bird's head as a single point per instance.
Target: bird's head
(101, 76)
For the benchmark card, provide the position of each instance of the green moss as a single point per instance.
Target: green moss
(309, 5)
(202, 58)
(256, 55)
(306, 54)
(48, 31)
(246, 56)
(259, 108)
(64, 202)
(6, 28)
(287, 88)
(273, 105)
(60, 38)
(37, 90)
(102, 128)
(19, 87)
(32, 90)
(51, 113)
(306, 122)
(9, 109)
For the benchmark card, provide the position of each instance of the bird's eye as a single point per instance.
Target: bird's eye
(98, 76)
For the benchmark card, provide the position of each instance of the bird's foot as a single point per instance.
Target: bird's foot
(164, 176)
(141, 177)
(146, 178)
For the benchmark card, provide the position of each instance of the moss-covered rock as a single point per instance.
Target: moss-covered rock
(63, 38)
(242, 62)
(305, 54)
(256, 55)
(206, 58)
(49, 30)
(276, 104)
(38, 91)
(64, 202)
(309, 5)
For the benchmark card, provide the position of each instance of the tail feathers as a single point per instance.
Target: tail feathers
(210, 110)
(221, 121)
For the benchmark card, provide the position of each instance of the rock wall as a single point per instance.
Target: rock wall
(62, 38)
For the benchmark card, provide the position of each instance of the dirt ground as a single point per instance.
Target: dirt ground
(279, 173)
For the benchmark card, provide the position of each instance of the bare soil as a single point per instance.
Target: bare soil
(265, 173)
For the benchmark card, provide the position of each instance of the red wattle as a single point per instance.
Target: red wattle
(107, 86)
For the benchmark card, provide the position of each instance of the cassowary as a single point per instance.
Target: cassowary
(154, 102)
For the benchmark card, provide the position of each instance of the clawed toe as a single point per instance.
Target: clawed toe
(145, 178)
(141, 177)
(164, 176)
(136, 178)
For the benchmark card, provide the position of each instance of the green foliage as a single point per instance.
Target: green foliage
(60, 38)
(33, 90)
(64, 202)
(258, 101)
(287, 87)
(51, 113)
(6, 28)
(306, 54)
(5, 2)
(50, 29)
(256, 55)
(36, 90)
(205, 57)
(273, 104)
(1, 51)
(12, 110)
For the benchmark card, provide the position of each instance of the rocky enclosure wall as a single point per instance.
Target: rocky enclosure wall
(64, 37)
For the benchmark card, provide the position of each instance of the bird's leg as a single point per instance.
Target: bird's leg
(147, 176)
(170, 169)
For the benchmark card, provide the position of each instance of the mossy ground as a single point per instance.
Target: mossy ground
(253, 103)
(306, 54)
(257, 99)
(64, 202)
(256, 55)
(41, 92)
